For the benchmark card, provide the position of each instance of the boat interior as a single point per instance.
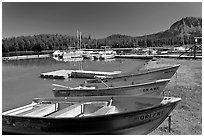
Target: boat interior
(116, 84)
(144, 70)
(63, 108)
(132, 75)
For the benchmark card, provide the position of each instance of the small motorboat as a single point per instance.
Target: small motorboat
(152, 88)
(108, 54)
(89, 115)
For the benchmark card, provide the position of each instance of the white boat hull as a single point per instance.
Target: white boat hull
(146, 75)
(142, 119)
(151, 89)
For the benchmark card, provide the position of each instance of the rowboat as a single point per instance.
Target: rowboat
(112, 88)
(143, 75)
(89, 115)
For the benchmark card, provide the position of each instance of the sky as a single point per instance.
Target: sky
(97, 19)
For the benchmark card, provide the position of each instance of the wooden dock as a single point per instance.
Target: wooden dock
(177, 56)
(135, 56)
(60, 74)
(25, 57)
(63, 74)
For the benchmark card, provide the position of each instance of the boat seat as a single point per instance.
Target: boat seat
(71, 111)
(39, 110)
(103, 111)
(19, 110)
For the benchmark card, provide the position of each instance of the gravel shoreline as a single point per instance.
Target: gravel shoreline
(186, 84)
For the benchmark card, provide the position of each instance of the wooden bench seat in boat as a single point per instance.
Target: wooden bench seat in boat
(39, 110)
(19, 110)
(71, 111)
(103, 111)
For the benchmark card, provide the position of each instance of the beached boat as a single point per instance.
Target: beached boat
(153, 88)
(143, 75)
(89, 115)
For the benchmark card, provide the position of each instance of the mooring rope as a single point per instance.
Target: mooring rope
(176, 80)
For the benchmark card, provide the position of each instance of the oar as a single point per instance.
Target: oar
(57, 85)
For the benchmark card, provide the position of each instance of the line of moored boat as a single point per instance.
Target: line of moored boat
(106, 53)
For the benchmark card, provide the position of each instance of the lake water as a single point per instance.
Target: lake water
(21, 82)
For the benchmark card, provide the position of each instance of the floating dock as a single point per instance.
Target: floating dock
(135, 56)
(177, 56)
(63, 74)
(25, 57)
(60, 74)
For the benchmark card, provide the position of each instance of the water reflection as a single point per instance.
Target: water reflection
(30, 62)
(21, 80)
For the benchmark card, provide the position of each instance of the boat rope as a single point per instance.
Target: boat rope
(176, 80)
(104, 84)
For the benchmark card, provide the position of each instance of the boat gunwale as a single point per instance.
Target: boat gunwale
(119, 87)
(152, 108)
(143, 72)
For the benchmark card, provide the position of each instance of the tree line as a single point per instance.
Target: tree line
(62, 42)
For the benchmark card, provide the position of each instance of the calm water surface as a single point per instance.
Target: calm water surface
(21, 81)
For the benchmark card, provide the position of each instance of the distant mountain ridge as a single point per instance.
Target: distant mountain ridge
(189, 26)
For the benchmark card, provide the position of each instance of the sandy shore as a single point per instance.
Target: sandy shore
(187, 84)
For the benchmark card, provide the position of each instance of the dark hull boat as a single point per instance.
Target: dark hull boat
(89, 115)
(153, 88)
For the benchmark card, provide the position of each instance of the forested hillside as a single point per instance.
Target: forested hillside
(179, 33)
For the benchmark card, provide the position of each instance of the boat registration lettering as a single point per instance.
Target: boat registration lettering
(150, 89)
(151, 115)
(63, 92)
